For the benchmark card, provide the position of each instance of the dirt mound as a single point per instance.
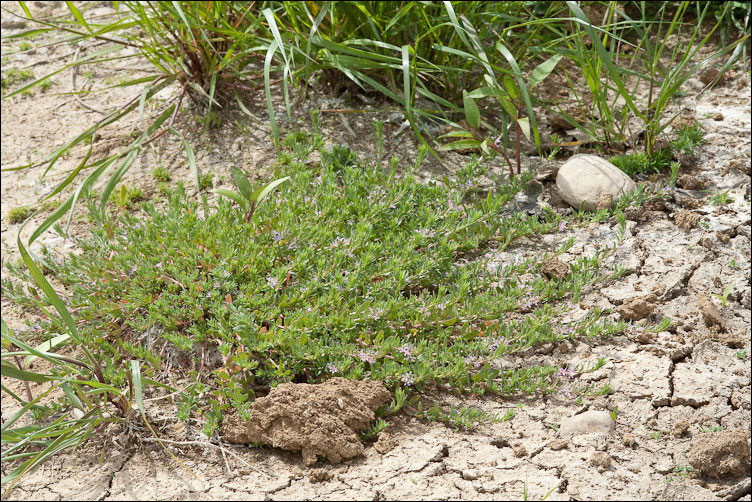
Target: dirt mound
(721, 454)
(316, 419)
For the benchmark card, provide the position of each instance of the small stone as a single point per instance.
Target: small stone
(519, 450)
(601, 460)
(470, 475)
(585, 179)
(707, 241)
(628, 440)
(710, 313)
(554, 268)
(723, 237)
(593, 421)
(686, 219)
(558, 444)
(718, 116)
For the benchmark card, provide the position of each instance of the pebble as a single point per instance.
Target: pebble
(593, 421)
(588, 181)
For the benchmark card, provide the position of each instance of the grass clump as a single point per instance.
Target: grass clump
(689, 138)
(19, 214)
(161, 174)
(349, 270)
(13, 76)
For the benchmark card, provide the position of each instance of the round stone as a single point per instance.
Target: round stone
(585, 180)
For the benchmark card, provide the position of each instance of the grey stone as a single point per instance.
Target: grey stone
(593, 421)
(585, 179)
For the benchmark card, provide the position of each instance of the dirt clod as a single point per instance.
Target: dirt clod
(316, 419)
(558, 444)
(686, 219)
(555, 268)
(638, 308)
(319, 475)
(720, 454)
(689, 182)
(710, 313)
(385, 443)
(601, 460)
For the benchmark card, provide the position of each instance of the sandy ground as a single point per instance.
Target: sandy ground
(675, 392)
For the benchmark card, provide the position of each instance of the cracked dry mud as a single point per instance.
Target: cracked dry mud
(683, 395)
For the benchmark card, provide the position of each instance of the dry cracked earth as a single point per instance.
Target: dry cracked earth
(682, 396)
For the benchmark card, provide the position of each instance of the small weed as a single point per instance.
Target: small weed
(88, 74)
(205, 181)
(720, 198)
(680, 472)
(46, 85)
(376, 427)
(715, 428)
(161, 174)
(742, 354)
(654, 435)
(19, 214)
(15, 76)
(724, 296)
(212, 120)
(467, 418)
(689, 138)
(25, 46)
(127, 196)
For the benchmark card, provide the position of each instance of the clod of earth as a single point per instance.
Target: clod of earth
(689, 182)
(554, 267)
(589, 181)
(710, 313)
(638, 308)
(686, 219)
(721, 454)
(315, 419)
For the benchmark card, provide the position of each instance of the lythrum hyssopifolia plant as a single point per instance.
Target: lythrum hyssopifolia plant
(347, 269)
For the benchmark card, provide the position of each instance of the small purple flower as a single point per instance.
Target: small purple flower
(474, 361)
(332, 368)
(133, 270)
(272, 281)
(408, 351)
(278, 236)
(408, 378)
(563, 225)
(566, 391)
(367, 356)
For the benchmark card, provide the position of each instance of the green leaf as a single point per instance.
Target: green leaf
(543, 70)
(472, 114)
(242, 182)
(262, 193)
(459, 145)
(243, 202)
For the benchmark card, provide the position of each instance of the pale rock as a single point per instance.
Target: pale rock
(593, 421)
(585, 179)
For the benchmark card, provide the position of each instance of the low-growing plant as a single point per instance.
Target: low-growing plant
(724, 296)
(19, 214)
(346, 270)
(13, 76)
(720, 198)
(161, 174)
(465, 417)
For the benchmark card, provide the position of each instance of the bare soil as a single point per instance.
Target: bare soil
(682, 396)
